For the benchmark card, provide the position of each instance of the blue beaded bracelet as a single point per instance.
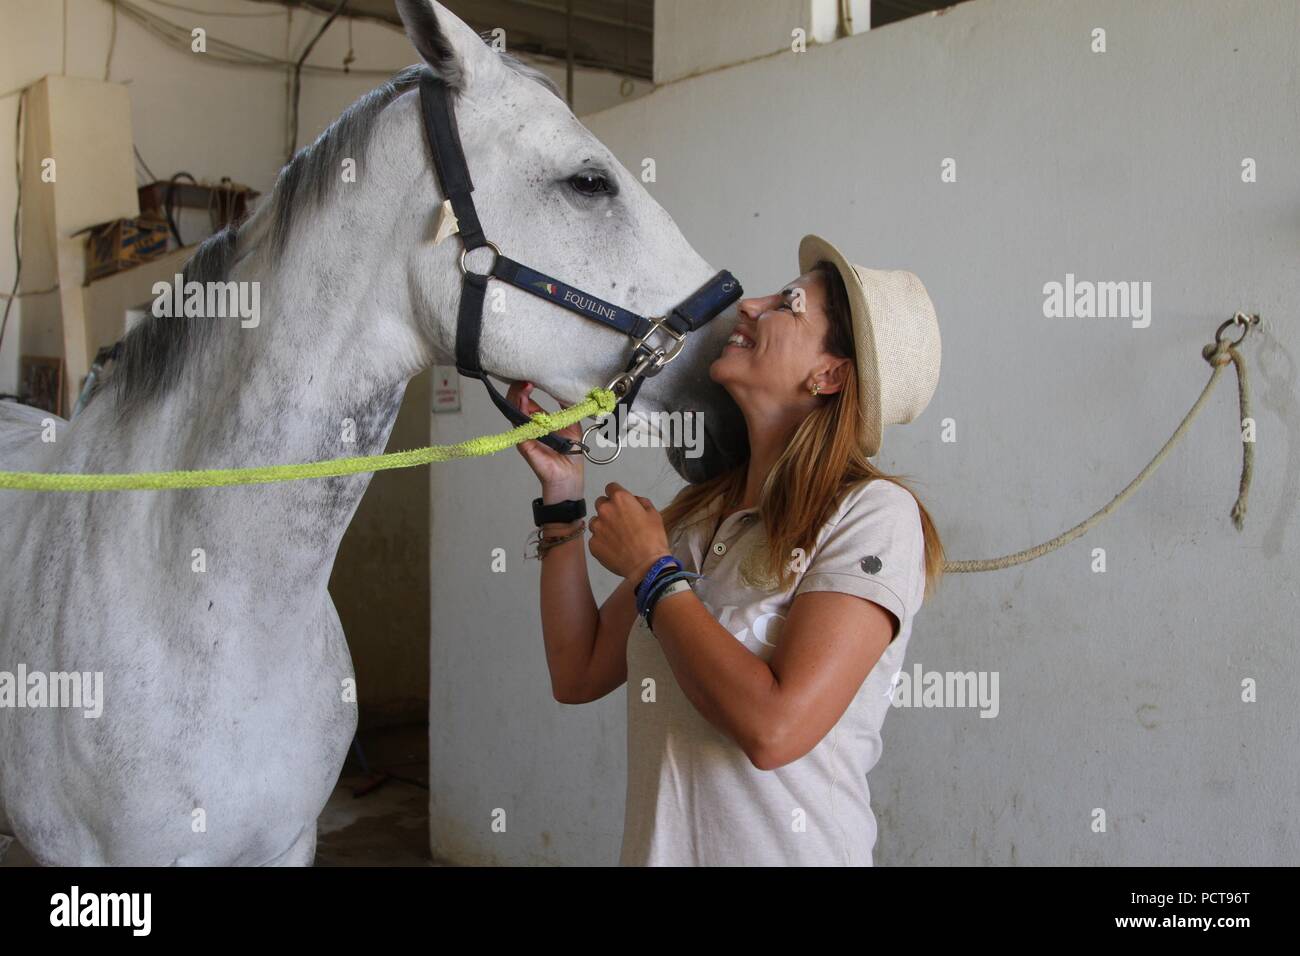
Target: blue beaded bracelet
(656, 569)
(658, 589)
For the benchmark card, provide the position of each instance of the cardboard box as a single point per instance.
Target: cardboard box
(124, 243)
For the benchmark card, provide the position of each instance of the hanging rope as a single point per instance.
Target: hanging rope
(599, 401)
(1218, 353)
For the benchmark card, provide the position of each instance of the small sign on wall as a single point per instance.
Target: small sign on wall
(446, 389)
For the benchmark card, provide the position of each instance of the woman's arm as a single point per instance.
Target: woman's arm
(776, 711)
(839, 624)
(586, 646)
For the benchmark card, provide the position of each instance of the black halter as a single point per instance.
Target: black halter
(647, 359)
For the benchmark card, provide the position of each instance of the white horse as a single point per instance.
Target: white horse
(225, 720)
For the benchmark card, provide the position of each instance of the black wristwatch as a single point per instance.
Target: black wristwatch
(562, 512)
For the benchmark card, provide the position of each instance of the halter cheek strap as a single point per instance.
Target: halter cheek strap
(647, 358)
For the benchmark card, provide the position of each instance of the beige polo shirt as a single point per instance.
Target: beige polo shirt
(693, 797)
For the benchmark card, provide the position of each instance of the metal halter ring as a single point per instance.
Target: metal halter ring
(586, 449)
(1242, 319)
(496, 254)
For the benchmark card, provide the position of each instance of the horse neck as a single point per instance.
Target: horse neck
(328, 360)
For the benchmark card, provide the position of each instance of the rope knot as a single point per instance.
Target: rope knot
(605, 399)
(1217, 353)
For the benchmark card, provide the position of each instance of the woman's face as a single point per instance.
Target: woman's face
(777, 348)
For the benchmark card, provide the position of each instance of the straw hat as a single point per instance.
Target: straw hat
(896, 335)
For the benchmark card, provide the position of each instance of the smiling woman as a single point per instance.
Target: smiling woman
(762, 617)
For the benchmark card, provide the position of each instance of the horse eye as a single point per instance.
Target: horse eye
(589, 184)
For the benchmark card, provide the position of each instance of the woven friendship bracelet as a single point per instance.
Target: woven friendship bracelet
(543, 544)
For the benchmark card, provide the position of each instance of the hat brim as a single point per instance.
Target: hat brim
(812, 249)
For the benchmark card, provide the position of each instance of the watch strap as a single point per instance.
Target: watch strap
(562, 512)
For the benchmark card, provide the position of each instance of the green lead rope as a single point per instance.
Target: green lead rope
(599, 401)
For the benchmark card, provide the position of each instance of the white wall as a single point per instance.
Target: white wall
(696, 36)
(1119, 690)
(192, 113)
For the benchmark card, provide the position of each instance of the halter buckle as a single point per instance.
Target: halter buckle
(662, 357)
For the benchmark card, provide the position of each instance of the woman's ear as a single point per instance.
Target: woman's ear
(833, 377)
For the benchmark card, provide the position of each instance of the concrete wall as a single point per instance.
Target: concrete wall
(1118, 690)
(697, 36)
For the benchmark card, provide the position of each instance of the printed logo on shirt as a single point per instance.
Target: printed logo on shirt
(871, 564)
(765, 627)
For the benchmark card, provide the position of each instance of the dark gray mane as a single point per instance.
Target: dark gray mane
(153, 354)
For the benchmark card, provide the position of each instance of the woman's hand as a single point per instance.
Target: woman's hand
(627, 533)
(560, 475)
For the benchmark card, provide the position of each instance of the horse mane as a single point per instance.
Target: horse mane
(154, 353)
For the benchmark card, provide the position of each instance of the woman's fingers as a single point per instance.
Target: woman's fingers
(518, 395)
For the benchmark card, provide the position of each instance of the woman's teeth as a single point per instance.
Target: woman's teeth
(738, 339)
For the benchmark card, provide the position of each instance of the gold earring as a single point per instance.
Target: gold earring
(815, 389)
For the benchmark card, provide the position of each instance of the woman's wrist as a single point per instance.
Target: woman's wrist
(637, 574)
(550, 528)
(556, 491)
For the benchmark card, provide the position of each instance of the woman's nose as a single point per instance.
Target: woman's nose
(752, 308)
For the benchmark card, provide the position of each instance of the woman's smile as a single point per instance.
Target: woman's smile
(740, 339)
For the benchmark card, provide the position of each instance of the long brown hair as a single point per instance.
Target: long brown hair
(822, 461)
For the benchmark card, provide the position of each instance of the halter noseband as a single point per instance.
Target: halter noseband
(647, 359)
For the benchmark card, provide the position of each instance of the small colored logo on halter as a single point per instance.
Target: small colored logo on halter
(548, 287)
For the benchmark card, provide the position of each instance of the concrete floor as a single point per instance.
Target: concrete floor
(375, 819)
(384, 825)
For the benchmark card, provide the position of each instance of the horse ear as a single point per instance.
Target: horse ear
(448, 45)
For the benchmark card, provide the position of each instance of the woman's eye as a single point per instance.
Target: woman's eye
(589, 184)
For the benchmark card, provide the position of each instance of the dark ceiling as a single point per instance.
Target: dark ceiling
(613, 35)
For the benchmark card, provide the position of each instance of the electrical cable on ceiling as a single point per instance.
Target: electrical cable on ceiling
(140, 159)
(296, 83)
(212, 13)
(222, 51)
(168, 206)
(18, 206)
(112, 42)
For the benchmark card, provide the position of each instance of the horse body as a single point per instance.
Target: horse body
(227, 708)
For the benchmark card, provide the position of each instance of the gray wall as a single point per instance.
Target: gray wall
(1120, 690)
